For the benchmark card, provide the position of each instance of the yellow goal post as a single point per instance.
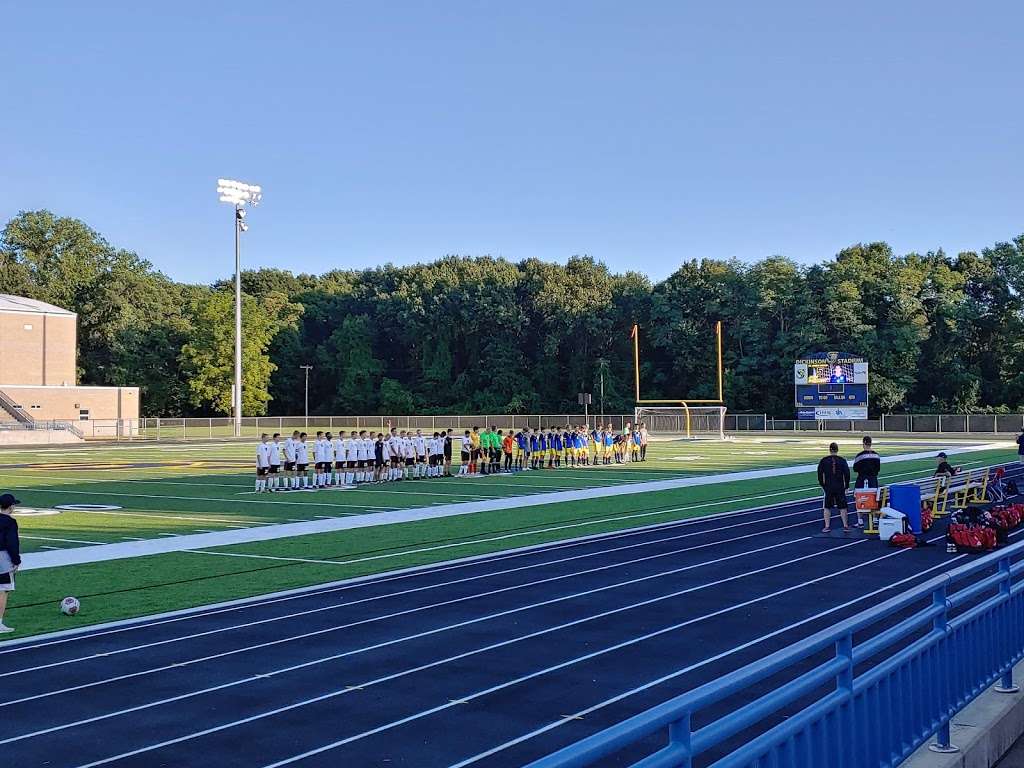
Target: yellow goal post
(690, 417)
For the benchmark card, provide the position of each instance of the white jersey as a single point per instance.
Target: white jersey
(420, 444)
(385, 453)
(263, 455)
(328, 451)
(364, 448)
(275, 454)
(410, 448)
(394, 443)
(289, 449)
(339, 449)
(350, 454)
(318, 450)
(301, 453)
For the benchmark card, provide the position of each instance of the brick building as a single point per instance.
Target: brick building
(38, 369)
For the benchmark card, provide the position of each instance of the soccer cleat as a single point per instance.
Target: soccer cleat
(4, 629)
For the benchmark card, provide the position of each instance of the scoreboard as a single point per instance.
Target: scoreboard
(831, 385)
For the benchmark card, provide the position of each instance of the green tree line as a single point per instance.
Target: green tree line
(943, 333)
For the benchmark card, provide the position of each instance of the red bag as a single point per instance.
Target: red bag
(905, 540)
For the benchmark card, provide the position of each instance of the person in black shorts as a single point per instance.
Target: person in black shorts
(866, 465)
(378, 458)
(466, 453)
(834, 479)
(448, 453)
(10, 553)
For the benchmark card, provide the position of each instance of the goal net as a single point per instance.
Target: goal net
(695, 421)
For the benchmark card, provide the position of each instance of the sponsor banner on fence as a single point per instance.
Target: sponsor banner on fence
(833, 413)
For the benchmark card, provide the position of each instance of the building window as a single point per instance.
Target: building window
(35, 407)
(27, 326)
(83, 414)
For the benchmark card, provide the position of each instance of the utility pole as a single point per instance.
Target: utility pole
(602, 365)
(307, 369)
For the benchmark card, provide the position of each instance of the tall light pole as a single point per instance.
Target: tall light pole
(239, 195)
(307, 369)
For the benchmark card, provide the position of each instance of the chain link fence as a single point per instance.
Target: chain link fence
(253, 427)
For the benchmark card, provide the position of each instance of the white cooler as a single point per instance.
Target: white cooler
(890, 523)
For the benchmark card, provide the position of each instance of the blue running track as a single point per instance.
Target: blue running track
(489, 662)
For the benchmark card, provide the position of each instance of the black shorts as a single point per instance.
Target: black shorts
(422, 458)
(835, 499)
(301, 467)
(261, 471)
(409, 462)
(474, 454)
(289, 466)
(7, 582)
(378, 463)
(465, 457)
(339, 465)
(274, 468)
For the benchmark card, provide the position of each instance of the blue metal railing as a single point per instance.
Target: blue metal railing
(870, 689)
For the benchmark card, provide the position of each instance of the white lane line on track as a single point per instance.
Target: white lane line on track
(696, 665)
(477, 694)
(417, 571)
(130, 625)
(455, 601)
(387, 643)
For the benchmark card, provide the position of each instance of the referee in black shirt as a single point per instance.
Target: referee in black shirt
(834, 479)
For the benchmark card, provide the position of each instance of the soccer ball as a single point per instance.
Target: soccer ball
(69, 606)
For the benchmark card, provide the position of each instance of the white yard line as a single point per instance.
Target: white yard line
(285, 530)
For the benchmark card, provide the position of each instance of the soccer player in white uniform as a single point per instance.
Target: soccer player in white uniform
(290, 477)
(350, 459)
(262, 463)
(318, 460)
(328, 459)
(366, 458)
(338, 444)
(302, 462)
(275, 462)
(420, 444)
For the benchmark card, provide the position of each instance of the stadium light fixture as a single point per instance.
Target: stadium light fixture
(239, 194)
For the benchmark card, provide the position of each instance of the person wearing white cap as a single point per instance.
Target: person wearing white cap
(10, 553)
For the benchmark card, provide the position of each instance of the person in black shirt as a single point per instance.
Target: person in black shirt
(448, 453)
(834, 479)
(1020, 447)
(943, 468)
(867, 465)
(10, 553)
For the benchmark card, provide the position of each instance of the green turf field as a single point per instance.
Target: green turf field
(172, 490)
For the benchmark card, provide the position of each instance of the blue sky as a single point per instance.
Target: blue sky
(640, 133)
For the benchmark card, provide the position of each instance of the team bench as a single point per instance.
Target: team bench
(964, 488)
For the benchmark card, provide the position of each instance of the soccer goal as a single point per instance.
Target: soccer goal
(693, 418)
(694, 421)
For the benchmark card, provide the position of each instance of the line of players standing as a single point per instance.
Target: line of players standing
(344, 461)
(362, 457)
